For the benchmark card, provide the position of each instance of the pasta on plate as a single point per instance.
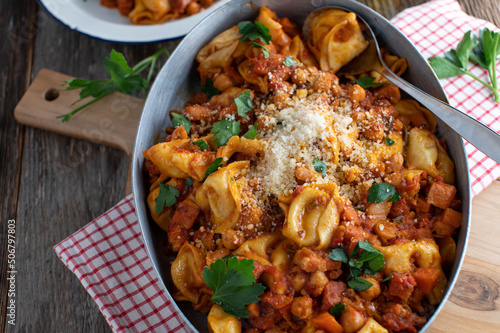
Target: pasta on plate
(335, 190)
(156, 11)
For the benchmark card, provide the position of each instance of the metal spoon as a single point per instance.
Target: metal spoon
(479, 135)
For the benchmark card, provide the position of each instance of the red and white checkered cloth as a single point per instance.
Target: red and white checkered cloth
(109, 257)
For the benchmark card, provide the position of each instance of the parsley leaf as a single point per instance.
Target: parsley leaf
(188, 183)
(225, 129)
(233, 285)
(387, 278)
(251, 133)
(265, 51)
(381, 192)
(389, 141)
(243, 103)
(359, 284)
(123, 79)
(289, 61)
(209, 88)
(368, 82)
(213, 167)
(483, 49)
(319, 166)
(181, 120)
(370, 261)
(337, 309)
(253, 30)
(201, 144)
(167, 197)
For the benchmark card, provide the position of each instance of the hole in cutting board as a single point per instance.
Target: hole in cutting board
(51, 94)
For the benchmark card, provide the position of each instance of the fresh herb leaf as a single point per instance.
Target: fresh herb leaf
(213, 167)
(381, 192)
(337, 310)
(209, 88)
(179, 119)
(251, 133)
(483, 49)
(225, 129)
(389, 141)
(123, 79)
(243, 103)
(359, 284)
(167, 197)
(387, 278)
(201, 144)
(254, 30)
(368, 82)
(233, 285)
(265, 51)
(289, 61)
(188, 183)
(360, 207)
(339, 255)
(319, 166)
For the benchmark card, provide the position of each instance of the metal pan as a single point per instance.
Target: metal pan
(178, 81)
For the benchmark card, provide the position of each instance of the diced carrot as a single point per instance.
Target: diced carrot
(452, 217)
(426, 278)
(442, 229)
(254, 309)
(441, 195)
(423, 206)
(328, 323)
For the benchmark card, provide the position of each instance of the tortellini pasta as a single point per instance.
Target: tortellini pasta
(151, 11)
(312, 216)
(221, 194)
(175, 161)
(426, 153)
(335, 38)
(221, 322)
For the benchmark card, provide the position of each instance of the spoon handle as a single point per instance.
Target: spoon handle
(479, 135)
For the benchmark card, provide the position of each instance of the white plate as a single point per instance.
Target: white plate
(90, 18)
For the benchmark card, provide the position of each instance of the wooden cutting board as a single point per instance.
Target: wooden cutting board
(474, 304)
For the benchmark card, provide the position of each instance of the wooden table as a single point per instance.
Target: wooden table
(53, 185)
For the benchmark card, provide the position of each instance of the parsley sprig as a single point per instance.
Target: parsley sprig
(233, 285)
(319, 166)
(370, 261)
(254, 30)
(166, 198)
(482, 49)
(366, 82)
(380, 192)
(209, 88)
(123, 78)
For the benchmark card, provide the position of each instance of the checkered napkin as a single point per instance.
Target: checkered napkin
(109, 257)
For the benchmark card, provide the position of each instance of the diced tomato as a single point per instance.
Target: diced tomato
(401, 285)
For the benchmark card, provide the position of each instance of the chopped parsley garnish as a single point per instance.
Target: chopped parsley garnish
(387, 278)
(233, 285)
(209, 88)
(201, 144)
(181, 120)
(254, 30)
(389, 141)
(225, 129)
(337, 309)
(370, 261)
(360, 207)
(251, 133)
(213, 167)
(381, 192)
(368, 82)
(289, 61)
(265, 51)
(167, 197)
(319, 166)
(243, 104)
(188, 183)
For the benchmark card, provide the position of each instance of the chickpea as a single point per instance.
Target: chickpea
(356, 93)
(231, 240)
(299, 280)
(300, 76)
(372, 292)
(302, 307)
(318, 279)
(352, 320)
(223, 82)
(193, 8)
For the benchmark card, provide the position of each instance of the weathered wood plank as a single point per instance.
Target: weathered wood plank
(16, 22)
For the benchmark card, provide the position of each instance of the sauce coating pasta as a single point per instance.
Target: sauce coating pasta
(290, 166)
